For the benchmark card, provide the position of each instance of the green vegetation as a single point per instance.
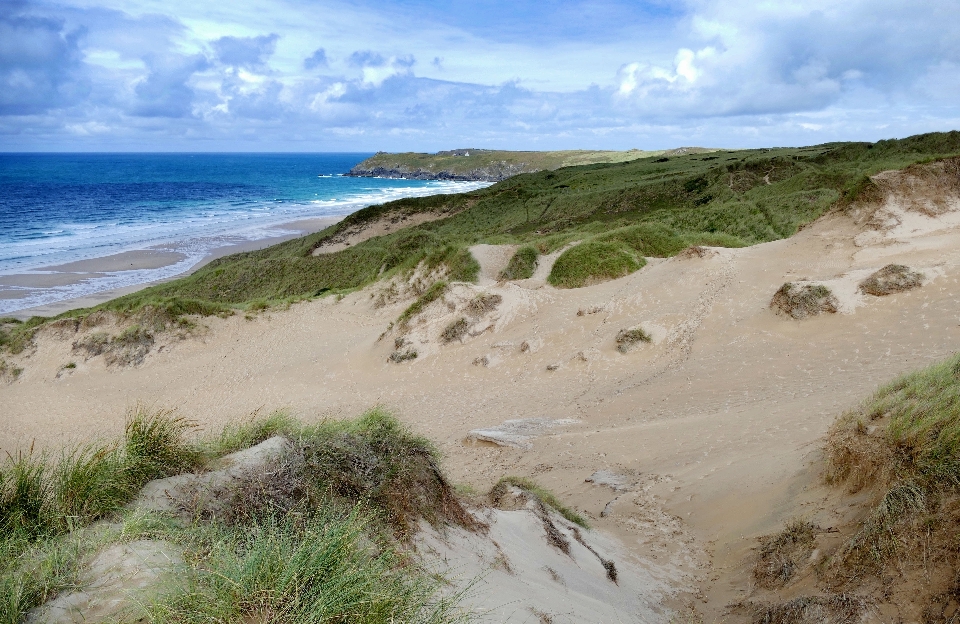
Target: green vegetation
(531, 488)
(591, 262)
(493, 164)
(522, 264)
(627, 338)
(431, 294)
(722, 198)
(903, 446)
(296, 570)
(310, 538)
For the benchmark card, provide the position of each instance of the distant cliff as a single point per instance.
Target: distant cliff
(489, 165)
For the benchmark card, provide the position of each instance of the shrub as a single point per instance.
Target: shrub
(522, 264)
(398, 357)
(627, 338)
(892, 278)
(800, 302)
(592, 262)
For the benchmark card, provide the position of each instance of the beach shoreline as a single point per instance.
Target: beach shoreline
(155, 257)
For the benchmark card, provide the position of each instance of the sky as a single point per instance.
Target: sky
(418, 75)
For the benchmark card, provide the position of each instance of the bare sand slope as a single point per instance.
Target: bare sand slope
(706, 431)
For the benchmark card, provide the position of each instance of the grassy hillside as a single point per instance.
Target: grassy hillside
(644, 207)
(494, 165)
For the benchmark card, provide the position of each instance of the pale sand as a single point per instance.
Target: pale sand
(714, 424)
(18, 286)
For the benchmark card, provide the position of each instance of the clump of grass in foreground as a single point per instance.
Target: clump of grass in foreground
(320, 569)
(627, 338)
(45, 495)
(546, 497)
(904, 445)
(591, 262)
(522, 264)
(799, 302)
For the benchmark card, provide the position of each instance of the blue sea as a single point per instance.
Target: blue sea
(60, 208)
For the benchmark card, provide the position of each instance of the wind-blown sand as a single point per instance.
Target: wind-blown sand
(709, 430)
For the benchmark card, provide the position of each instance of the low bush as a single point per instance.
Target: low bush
(522, 264)
(591, 262)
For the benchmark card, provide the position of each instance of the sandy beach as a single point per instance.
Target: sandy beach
(18, 286)
(714, 427)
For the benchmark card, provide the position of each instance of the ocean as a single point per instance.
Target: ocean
(62, 208)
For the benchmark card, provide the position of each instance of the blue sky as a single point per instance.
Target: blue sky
(322, 75)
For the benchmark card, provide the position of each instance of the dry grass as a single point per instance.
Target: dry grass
(399, 357)
(483, 303)
(799, 302)
(455, 330)
(531, 489)
(892, 278)
(9, 372)
(830, 609)
(902, 449)
(628, 338)
(130, 347)
(780, 555)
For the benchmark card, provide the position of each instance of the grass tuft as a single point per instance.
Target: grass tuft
(431, 294)
(530, 487)
(780, 555)
(627, 338)
(522, 264)
(455, 330)
(799, 302)
(592, 262)
(892, 278)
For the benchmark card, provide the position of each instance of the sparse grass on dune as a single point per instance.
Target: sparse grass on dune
(903, 447)
(545, 496)
(328, 554)
(725, 198)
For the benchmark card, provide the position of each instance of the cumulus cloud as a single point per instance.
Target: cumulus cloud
(317, 59)
(702, 71)
(247, 52)
(40, 64)
(165, 92)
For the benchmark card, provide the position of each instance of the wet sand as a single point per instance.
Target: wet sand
(21, 285)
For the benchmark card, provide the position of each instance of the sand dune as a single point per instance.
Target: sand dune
(711, 426)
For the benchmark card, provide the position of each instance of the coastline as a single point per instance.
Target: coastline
(137, 259)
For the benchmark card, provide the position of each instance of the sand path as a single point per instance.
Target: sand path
(710, 427)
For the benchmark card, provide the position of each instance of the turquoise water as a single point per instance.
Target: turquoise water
(59, 208)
